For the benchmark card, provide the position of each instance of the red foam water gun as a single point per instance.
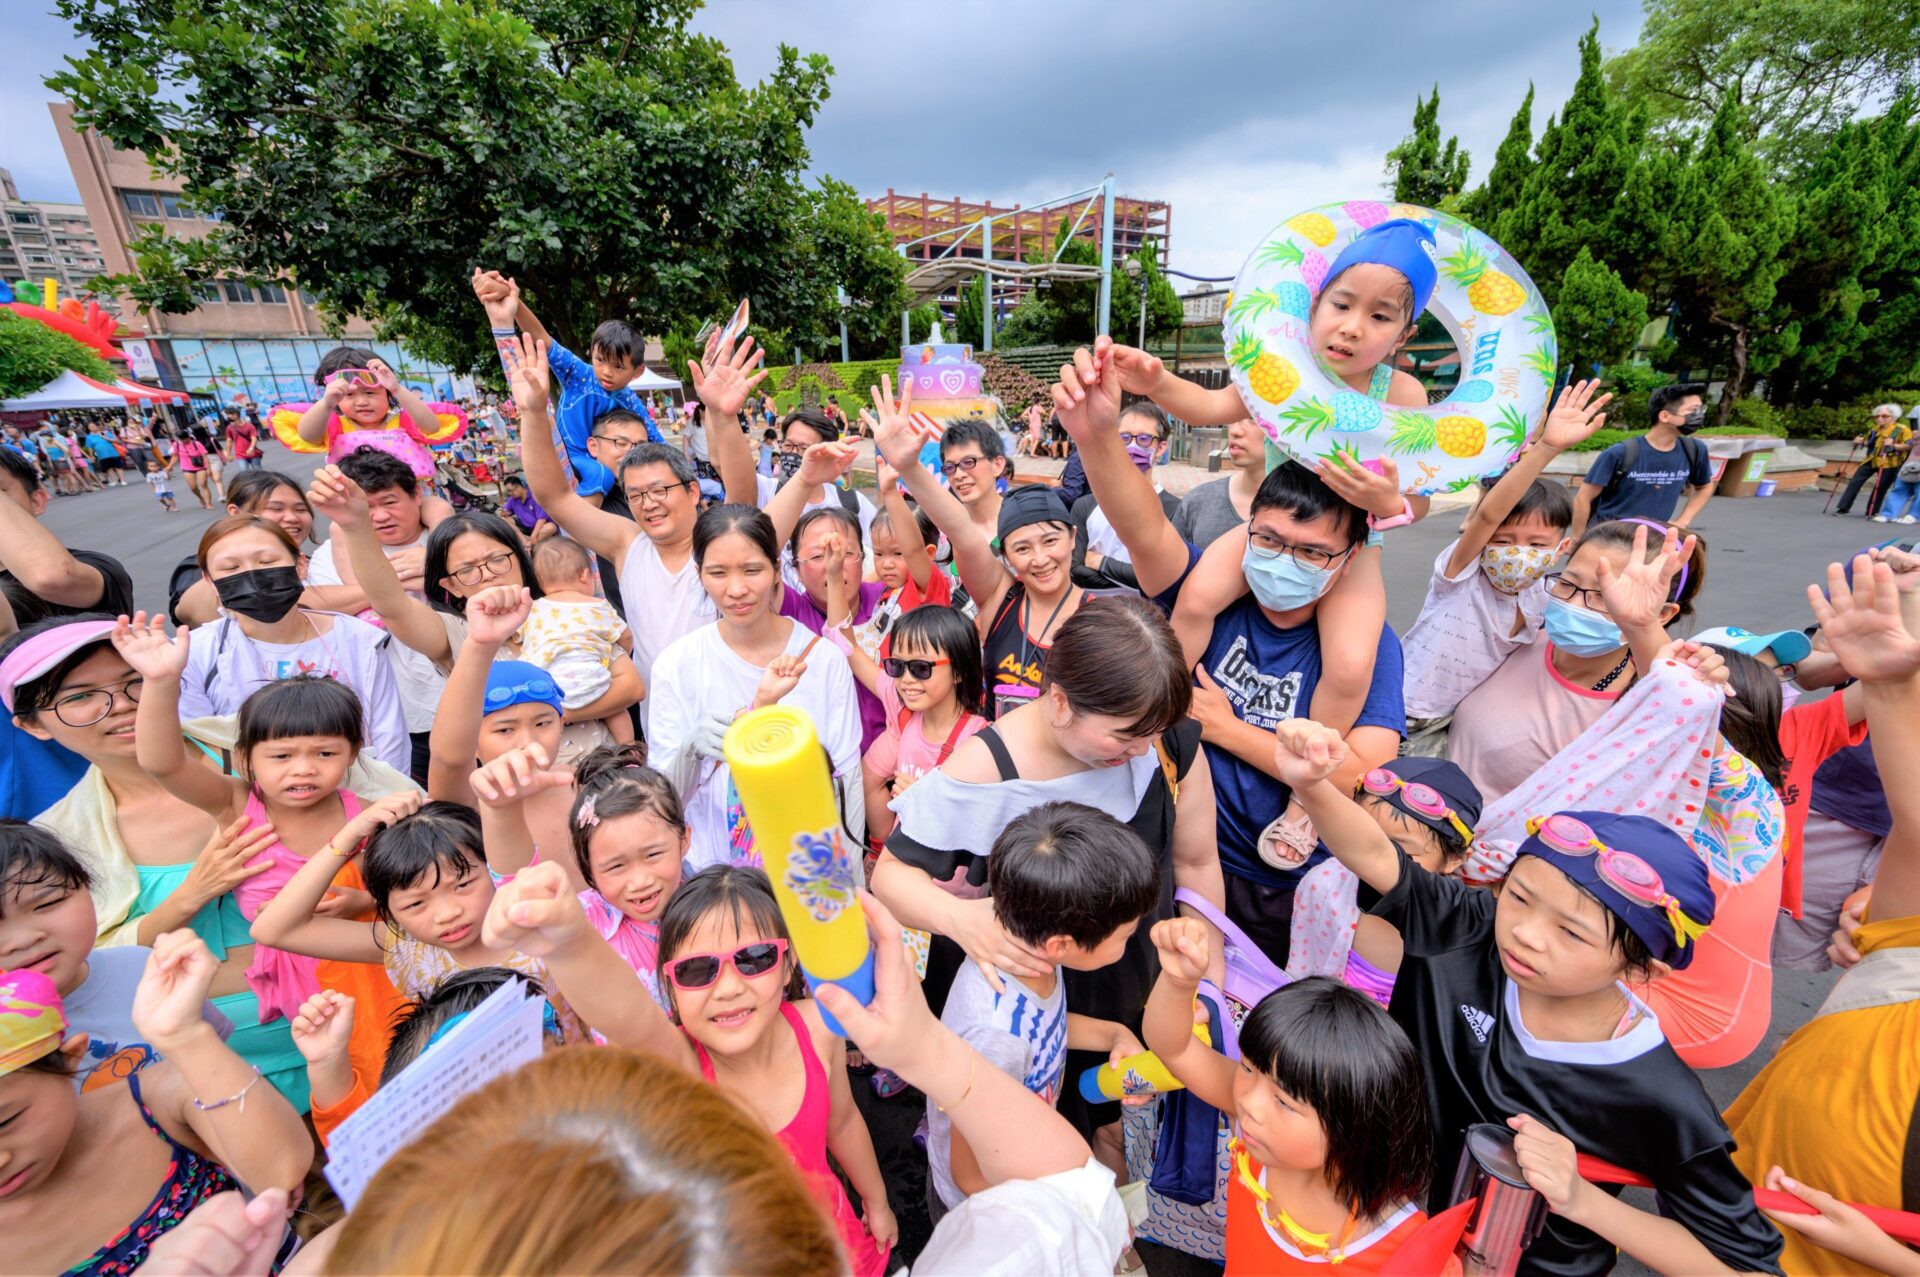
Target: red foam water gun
(1902, 1226)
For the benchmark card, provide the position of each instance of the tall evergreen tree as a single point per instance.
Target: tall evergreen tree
(1508, 176)
(1422, 170)
(1598, 318)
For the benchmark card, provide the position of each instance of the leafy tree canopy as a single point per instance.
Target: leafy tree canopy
(32, 354)
(1422, 171)
(377, 150)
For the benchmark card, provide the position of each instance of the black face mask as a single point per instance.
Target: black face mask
(1693, 421)
(787, 464)
(264, 594)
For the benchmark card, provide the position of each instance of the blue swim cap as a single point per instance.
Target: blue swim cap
(511, 683)
(1405, 245)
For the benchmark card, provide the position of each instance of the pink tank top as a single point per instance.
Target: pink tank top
(280, 980)
(805, 1139)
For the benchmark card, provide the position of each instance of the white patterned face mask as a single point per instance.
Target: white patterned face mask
(1512, 568)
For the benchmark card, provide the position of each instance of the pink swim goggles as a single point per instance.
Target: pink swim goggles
(1424, 799)
(1625, 872)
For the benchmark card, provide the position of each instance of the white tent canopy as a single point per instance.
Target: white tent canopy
(68, 390)
(651, 380)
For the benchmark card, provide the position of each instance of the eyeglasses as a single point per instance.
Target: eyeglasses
(1567, 592)
(1148, 440)
(84, 709)
(964, 463)
(921, 670)
(474, 573)
(656, 495)
(815, 560)
(1307, 556)
(1627, 873)
(356, 376)
(621, 442)
(1424, 799)
(1786, 672)
(700, 970)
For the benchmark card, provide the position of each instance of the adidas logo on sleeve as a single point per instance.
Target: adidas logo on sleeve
(1479, 1021)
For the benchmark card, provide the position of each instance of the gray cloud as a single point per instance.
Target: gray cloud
(1238, 112)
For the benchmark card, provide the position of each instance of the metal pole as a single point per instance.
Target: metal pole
(906, 314)
(1141, 283)
(1103, 320)
(840, 296)
(986, 285)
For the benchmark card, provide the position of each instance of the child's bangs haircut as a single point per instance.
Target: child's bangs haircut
(304, 705)
(922, 522)
(747, 898)
(1066, 869)
(935, 628)
(441, 838)
(1636, 959)
(1335, 1049)
(339, 358)
(1451, 846)
(1117, 657)
(415, 1023)
(615, 339)
(34, 857)
(1544, 502)
(614, 781)
(1293, 489)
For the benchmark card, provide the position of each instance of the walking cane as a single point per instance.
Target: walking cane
(1835, 489)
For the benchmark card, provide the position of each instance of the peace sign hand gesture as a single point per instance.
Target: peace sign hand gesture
(896, 436)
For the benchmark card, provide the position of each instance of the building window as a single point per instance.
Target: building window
(140, 204)
(208, 292)
(272, 293)
(40, 259)
(23, 219)
(236, 291)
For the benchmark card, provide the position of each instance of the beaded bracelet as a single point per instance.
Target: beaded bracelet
(241, 1095)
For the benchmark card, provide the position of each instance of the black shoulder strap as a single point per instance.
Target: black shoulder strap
(849, 500)
(219, 650)
(990, 737)
(1629, 457)
(1687, 445)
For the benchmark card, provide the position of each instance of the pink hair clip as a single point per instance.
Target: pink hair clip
(587, 818)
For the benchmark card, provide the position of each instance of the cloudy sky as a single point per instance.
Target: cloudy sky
(1237, 112)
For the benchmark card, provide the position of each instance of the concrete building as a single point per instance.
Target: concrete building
(259, 342)
(47, 240)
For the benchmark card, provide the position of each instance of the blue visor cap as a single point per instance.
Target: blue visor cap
(1402, 244)
(511, 683)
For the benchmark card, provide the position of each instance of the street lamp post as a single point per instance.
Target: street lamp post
(1132, 267)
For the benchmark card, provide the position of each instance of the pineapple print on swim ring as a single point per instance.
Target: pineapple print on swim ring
(1308, 392)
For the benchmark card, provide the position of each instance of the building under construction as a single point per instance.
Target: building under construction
(938, 227)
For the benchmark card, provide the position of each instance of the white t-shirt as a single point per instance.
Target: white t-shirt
(225, 666)
(421, 686)
(697, 441)
(1019, 1032)
(699, 676)
(661, 607)
(1464, 631)
(1063, 1225)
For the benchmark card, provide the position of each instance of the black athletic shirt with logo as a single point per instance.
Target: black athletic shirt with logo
(1629, 1101)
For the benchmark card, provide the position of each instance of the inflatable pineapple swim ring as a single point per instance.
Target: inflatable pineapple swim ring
(1484, 299)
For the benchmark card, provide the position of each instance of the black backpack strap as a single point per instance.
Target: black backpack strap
(990, 737)
(219, 649)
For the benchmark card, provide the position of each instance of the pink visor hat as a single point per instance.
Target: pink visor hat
(34, 657)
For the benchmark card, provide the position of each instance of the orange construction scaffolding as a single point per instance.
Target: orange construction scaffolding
(936, 224)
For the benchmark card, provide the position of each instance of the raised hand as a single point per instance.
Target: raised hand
(223, 863)
(1575, 416)
(824, 463)
(1861, 623)
(535, 912)
(517, 775)
(172, 994)
(725, 376)
(383, 375)
(338, 498)
(1376, 493)
(896, 1029)
(322, 1026)
(1139, 372)
(1087, 397)
(1306, 753)
(1638, 594)
(526, 364)
(895, 436)
(1707, 665)
(374, 817)
(145, 646)
(1904, 564)
(1184, 949)
(783, 675)
(496, 613)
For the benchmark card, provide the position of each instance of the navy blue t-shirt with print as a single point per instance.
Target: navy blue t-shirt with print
(1268, 675)
(1652, 488)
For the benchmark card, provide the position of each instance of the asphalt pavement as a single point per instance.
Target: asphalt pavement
(1762, 554)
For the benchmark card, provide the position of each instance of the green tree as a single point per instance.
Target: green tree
(920, 321)
(1584, 160)
(1034, 322)
(1797, 69)
(1732, 224)
(1420, 170)
(1164, 311)
(1508, 176)
(32, 354)
(1598, 318)
(377, 150)
(968, 324)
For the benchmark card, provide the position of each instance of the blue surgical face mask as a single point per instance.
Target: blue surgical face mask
(1281, 583)
(1578, 632)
